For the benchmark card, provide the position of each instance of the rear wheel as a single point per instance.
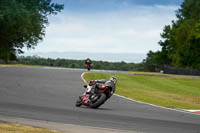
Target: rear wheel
(99, 102)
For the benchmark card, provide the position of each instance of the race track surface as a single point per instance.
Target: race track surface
(49, 94)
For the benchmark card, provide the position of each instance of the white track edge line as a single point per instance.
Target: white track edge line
(177, 110)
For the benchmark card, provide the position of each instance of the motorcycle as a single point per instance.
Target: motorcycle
(97, 93)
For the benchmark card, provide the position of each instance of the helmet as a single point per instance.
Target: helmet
(111, 82)
(92, 82)
(113, 79)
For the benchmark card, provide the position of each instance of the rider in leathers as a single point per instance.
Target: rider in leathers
(88, 61)
(95, 84)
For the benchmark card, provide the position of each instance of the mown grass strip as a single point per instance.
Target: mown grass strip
(16, 128)
(163, 75)
(163, 91)
(19, 65)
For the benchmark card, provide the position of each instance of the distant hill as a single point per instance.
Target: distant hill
(112, 57)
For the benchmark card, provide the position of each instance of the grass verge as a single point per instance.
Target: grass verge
(171, 92)
(19, 65)
(16, 128)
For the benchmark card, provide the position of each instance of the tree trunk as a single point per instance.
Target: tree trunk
(5, 48)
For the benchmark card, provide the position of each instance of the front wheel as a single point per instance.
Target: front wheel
(88, 68)
(99, 101)
(79, 102)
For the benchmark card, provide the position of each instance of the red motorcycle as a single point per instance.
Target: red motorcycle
(88, 64)
(97, 92)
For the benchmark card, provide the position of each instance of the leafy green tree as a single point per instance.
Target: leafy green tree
(180, 42)
(190, 9)
(151, 62)
(23, 23)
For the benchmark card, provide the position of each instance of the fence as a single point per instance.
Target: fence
(182, 71)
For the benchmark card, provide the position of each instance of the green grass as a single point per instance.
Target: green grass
(169, 92)
(165, 75)
(16, 128)
(19, 65)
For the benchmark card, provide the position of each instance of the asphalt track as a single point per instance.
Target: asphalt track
(50, 94)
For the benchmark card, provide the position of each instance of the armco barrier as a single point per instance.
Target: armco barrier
(182, 71)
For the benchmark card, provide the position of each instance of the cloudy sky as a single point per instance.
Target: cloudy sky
(116, 26)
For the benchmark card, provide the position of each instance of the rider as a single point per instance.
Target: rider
(88, 61)
(98, 84)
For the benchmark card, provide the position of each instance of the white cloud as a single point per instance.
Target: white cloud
(172, 7)
(133, 30)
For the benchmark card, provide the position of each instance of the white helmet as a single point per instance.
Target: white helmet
(111, 82)
(113, 79)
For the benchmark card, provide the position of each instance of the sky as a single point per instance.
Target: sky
(108, 26)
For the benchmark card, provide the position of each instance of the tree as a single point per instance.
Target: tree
(180, 41)
(190, 9)
(187, 35)
(23, 23)
(151, 62)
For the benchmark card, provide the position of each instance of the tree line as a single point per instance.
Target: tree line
(180, 41)
(67, 63)
(22, 24)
